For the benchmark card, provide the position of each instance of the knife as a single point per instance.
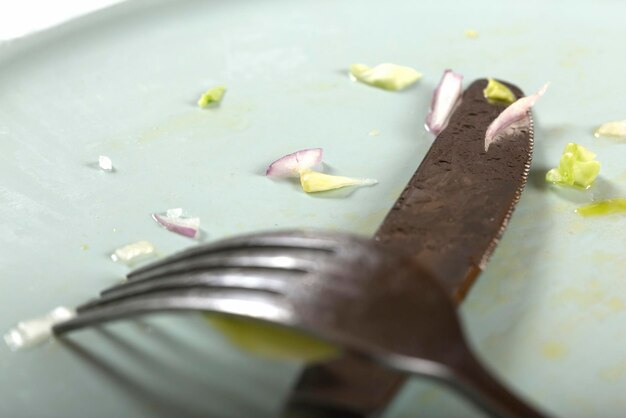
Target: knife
(450, 216)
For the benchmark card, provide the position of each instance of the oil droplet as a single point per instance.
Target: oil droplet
(84, 247)
(374, 132)
(471, 33)
(553, 350)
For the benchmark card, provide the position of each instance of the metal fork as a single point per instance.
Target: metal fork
(372, 301)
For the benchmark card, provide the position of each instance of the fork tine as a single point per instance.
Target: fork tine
(248, 259)
(236, 279)
(281, 240)
(246, 303)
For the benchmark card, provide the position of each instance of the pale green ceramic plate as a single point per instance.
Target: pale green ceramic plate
(548, 315)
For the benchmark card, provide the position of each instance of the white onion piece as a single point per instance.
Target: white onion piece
(105, 163)
(292, 164)
(615, 129)
(173, 221)
(131, 253)
(37, 330)
(445, 98)
(174, 213)
(385, 76)
(513, 113)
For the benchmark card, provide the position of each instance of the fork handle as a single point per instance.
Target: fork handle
(473, 381)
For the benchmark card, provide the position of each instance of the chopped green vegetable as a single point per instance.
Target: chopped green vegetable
(577, 167)
(615, 129)
(211, 96)
(496, 92)
(313, 181)
(603, 207)
(272, 341)
(385, 76)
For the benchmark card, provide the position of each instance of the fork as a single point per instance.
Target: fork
(375, 302)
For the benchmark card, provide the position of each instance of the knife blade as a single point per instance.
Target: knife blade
(450, 216)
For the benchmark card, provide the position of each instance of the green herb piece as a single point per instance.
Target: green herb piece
(496, 92)
(577, 167)
(603, 207)
(211, 96)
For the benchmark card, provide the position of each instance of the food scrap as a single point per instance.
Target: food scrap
(577, 167)
(300, 163)
(514, 113)
(211, 96)
(173, 220)
(603, 207)
(385, 76)
(37, 330)
(496, 92)
(291, 164)
(615, 129)
(445, 98)
(272, 341)
(105, 163)
(132, 253)
(313, 181)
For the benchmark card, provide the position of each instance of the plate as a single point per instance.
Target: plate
(547, 316)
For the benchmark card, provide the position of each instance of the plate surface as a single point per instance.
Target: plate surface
(548, 313)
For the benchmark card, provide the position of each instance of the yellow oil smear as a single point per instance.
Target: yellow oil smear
(616, 304)
(553, 350)
(582, 297)
(573, 57)
(366, 224)
(592, 301)
(599, 257)
(614, 373)
(272, 341)
(471, 33)
(576, 227)
(172, 124)
(202, 123)
(323, 86)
